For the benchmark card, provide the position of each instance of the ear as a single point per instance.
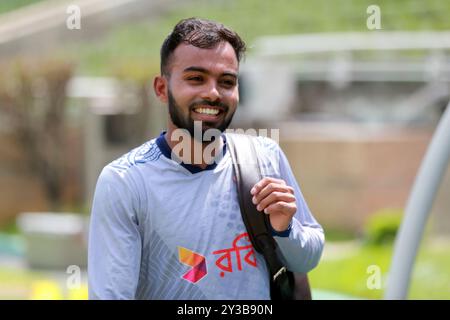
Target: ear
(161, 85)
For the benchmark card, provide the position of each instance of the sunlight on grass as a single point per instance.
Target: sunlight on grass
(349, 274)
(31, 285)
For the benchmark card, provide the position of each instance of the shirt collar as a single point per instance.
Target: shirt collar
(167, 152)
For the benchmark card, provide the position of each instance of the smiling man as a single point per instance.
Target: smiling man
(166, 222)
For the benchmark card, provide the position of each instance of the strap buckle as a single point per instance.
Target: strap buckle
(279, 273)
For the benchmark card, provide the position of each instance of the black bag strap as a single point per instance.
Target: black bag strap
(247, 172)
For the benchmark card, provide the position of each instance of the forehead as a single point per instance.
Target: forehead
(218, 59)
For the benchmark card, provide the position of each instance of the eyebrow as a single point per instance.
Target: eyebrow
(203, 70)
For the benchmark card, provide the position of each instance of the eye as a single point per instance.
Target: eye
(195, 78)
(228, 82)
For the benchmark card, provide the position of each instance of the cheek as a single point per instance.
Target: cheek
(232, 97)
(183, 95)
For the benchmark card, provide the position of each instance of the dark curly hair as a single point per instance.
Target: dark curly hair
(201, 33)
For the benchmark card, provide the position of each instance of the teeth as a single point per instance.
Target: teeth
(207, 111)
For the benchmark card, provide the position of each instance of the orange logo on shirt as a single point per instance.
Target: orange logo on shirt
(194, 260)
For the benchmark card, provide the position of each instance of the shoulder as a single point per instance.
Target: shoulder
(125, 169)
(147, 152)
(267, 151)
(266, 144)
(261, 143)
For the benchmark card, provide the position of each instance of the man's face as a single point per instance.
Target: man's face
(203, 86)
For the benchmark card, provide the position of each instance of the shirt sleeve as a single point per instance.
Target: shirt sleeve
(114, 252)
(302, 247)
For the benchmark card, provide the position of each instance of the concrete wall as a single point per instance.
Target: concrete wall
(347, 173)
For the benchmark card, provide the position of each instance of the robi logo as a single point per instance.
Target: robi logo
(194, 260)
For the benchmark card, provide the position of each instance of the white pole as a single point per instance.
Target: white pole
(419, 204)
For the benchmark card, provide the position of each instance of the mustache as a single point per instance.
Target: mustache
(220, 104)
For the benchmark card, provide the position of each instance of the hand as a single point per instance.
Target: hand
(275, 198)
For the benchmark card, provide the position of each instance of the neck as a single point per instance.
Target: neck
(192, 151)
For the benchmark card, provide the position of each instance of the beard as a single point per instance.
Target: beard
(186, 122)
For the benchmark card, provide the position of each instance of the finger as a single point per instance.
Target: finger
(270, 188)
(273, 198)
(263, 182)
(286, 208)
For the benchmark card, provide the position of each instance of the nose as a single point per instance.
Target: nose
(211, 93)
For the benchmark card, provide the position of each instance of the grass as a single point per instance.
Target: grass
(253, 18)
(19, 282)
(10, 5)
(348, 274)
(33, 285)
(345, 269)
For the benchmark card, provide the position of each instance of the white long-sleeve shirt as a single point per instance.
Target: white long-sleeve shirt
(164, 230)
